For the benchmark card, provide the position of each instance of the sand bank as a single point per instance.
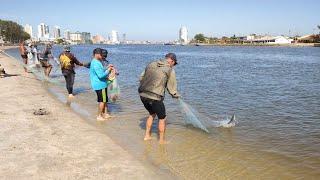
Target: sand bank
(60, 145)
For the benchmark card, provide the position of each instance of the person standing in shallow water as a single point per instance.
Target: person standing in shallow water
(44, 60)
(24, 54)
(98, 78)
(158, 76)
(67, 63)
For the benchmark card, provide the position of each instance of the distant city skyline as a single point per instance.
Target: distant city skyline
(161, 21)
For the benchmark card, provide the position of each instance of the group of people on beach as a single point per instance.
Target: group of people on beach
(154, 80)
(40, 59)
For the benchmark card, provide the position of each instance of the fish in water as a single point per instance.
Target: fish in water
(192, 116)
(232, 120)
(197, 120)
(226, 123)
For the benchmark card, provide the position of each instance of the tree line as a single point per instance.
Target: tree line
(201, 38)
(12, 32)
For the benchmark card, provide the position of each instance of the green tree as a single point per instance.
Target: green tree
(213, 40)
(12, 31)
(200, 37)
(59, 41)
(319, 28)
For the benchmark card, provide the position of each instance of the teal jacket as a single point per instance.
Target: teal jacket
(98, 75)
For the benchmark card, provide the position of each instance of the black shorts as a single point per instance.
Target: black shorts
(24, 56)
(102, 95)
(154, 107)
(45, 63)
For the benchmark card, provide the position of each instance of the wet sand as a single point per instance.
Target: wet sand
(60, 145)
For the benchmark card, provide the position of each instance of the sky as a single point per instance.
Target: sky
(160, 20)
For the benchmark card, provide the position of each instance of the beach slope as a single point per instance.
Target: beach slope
(59, 145)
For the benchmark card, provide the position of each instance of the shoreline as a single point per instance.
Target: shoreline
(258, 45)
(208, 45)
(58, 145)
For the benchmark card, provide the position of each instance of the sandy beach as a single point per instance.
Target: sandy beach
(59, 145)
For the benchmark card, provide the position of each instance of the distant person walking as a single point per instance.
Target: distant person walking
(158, 76)
(44, 60)
(24, 54)
(67, 63)
(34, 51)
(98, 78)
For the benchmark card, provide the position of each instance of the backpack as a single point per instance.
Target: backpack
(65, 61)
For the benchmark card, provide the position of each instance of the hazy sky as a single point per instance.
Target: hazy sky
(161, 20)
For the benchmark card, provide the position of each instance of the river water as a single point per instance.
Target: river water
(273, 91)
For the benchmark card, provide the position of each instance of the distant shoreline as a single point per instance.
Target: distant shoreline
(204, 44)
(261, 45)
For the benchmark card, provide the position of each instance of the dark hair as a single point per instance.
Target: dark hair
(102, 52)
(97, 51)
(172, 56)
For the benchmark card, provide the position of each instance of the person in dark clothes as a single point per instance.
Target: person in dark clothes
(67, 63)
(23, 53)
(44, 61)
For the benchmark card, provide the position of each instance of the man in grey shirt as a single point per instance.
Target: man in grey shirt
(158, 76)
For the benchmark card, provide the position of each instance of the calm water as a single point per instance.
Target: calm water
(273, 91)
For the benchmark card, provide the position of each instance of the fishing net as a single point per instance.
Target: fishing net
(113, 90)
(197, 120)
(191, 116)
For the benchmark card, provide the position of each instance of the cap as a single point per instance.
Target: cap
(102, 52)
(173, 57)
(66, 48)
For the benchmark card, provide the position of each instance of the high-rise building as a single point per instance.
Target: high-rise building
(40, 31)
(56, 32)
(114, 37)
(97, 39)
(80, 37)
(28, 29)
(76, 37)
(46, 32)
(124, 38)
(67, 34)
(183, 35)
(43, 32)
(85, 37)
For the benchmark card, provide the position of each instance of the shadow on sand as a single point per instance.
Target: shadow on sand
(9, 75)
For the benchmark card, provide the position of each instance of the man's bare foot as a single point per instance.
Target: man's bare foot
(71, 96)
(147, 138)
(107, 116)
(100, 118)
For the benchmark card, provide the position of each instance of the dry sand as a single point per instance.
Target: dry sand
(60, 145)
